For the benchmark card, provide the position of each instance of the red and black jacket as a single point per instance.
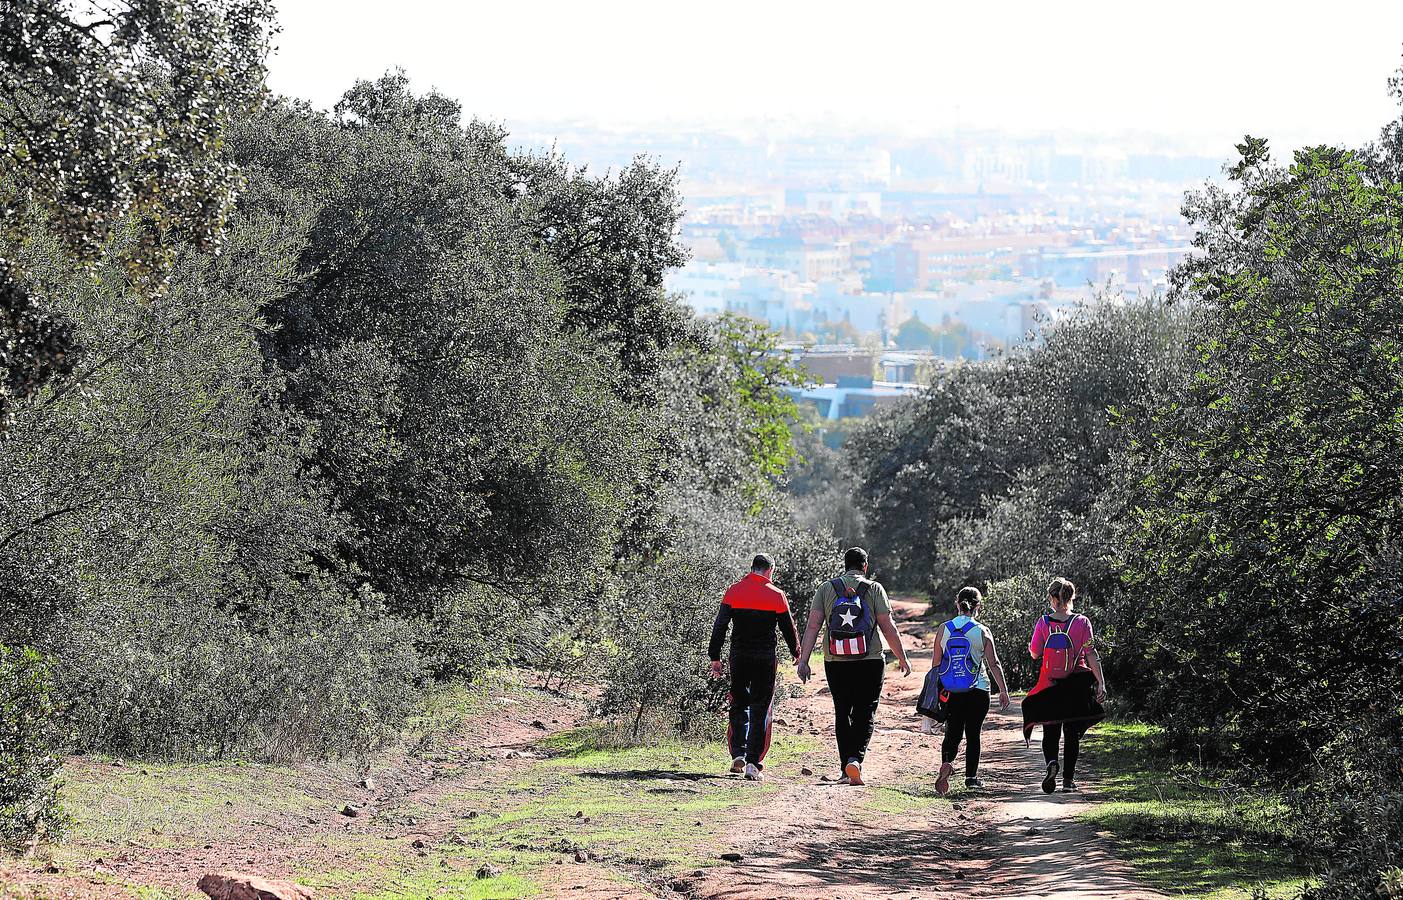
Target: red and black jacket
(756, 608)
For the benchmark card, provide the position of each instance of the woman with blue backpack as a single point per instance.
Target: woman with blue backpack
(964, 659)
(1066, 701)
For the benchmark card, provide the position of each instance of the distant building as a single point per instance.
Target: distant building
(838, 205)
(907, 368)
(853, 397)
(706, 284)
(1133, 266)
(829, 364)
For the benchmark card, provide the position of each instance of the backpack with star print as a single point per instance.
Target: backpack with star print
(852, 623)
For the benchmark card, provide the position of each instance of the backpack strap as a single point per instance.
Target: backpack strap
(961, 630)
(862, 588)
(840, 590)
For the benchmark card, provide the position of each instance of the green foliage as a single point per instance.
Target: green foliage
(821, 486)
(735, 377)
(951, 341)
(115, 113)
(29, 808)
(1188, 827)
(428, 411)
(995, 471)
(1270, 499)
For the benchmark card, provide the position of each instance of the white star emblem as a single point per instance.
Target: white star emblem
(848, 618)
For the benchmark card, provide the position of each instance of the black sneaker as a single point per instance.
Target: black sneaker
(973, 784)
(1050, 780)
(1070, 787)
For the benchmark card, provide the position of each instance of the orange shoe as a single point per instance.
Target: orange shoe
(942, 784)
(854, 772)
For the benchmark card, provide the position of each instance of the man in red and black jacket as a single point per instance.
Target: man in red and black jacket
(755, 608)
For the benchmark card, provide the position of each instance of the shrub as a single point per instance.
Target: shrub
(188, 680)
(29, 808)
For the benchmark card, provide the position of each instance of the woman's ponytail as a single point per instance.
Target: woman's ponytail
(967, 601)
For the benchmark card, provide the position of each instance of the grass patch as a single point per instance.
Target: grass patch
(165, 805)
(903, 799)
(659, 807)
(1184, 831)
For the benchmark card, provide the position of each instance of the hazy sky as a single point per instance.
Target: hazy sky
(1209, 71)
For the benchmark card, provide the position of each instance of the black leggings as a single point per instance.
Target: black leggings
(964, 716)
(1073, 731)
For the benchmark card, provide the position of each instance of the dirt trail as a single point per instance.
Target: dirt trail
(817, 839)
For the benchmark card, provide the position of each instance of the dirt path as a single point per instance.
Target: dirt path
(896, 837)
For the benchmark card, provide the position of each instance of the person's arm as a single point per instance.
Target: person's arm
(1035, 646)
(1094, 662)
(893, 637)
(787, 629)
(718, 637)
(806, 647)
(996, 670)
(938, 651)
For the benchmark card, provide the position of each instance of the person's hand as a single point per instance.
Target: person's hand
(1005, 701)
(801, 668)
(716, 670)
(1100, 691)
(904, 666)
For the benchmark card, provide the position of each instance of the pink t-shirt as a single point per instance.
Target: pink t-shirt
(1079, 631)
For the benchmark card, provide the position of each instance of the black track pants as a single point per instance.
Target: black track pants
(752, 691)
(856, 686)
(1073, 731)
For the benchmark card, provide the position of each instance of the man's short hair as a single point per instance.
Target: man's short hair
(764, 562)
(854, 559)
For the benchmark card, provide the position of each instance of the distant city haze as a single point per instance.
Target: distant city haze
(893, 187)
(1202, 72)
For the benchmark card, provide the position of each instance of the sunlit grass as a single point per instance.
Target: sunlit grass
(1183, 831)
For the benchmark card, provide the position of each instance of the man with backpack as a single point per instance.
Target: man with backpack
(853, 608)
(753, 608)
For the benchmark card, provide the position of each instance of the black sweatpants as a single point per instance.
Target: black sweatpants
(1073, 732)
(964, 717)
(752, 691)
(856, 686)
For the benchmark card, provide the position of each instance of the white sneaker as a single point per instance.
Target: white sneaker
(752, 773)
(927, 725)
(738, 765)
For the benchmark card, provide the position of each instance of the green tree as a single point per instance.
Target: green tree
(115, 112)
(1263, 558)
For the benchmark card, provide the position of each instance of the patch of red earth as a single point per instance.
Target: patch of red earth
(277, 844)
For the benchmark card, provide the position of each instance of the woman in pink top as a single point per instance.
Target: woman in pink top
(1066, 701)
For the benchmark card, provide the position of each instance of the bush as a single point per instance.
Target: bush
(1010, 608)
(29, 809)
(188, 680)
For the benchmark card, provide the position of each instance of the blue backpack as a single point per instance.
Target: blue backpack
(851, 625)
(959, 670)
